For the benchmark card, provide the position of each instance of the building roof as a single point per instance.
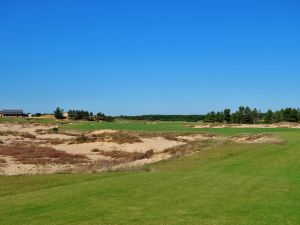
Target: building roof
(12, 111)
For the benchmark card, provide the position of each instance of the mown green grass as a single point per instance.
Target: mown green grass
(231, 184)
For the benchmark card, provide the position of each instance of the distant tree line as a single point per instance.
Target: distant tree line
(82, 115)
(157, 117)
(246, 115)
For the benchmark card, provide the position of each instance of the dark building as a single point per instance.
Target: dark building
(12, 112)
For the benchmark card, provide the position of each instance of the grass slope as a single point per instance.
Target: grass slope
(232, 184)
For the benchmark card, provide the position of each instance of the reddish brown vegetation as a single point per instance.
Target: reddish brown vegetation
(40, 155)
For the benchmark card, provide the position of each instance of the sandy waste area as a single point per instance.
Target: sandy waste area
(37, 149)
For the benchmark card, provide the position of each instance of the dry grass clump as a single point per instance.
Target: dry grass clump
(31, 154)
(257, 138)
(56, 141)
(27, 135)
(193, 147)
(2, 161)
(40, 131)
(83, 139)
(172, 136)
(123, 156)
(16, 133)
(117, 137)
(252, 137)
(98, 165)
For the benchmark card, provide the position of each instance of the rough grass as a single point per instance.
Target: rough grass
(263, 137)
(16, 133)
(83, 139)
(32, 154)
(127, 156)
(56, 141)
(252, 137)
(193, 147)
(117, 137)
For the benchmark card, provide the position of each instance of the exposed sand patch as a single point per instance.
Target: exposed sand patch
(102, 132)
(54, 136)
(196, 137)
(157, 144)
(210, 126)
(11, 167)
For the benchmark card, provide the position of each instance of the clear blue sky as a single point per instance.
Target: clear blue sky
(142, 57)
